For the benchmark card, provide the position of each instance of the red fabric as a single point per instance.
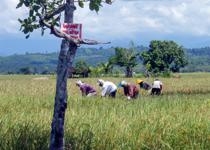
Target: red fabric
(131, 90)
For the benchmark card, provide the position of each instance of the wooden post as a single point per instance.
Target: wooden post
(65, 60)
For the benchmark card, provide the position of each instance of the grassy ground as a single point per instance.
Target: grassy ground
(179, 119)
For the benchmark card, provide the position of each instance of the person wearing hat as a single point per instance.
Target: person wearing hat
(130, 90)
(108, 88)
(157, 87)
(86, 89)
(144, 85)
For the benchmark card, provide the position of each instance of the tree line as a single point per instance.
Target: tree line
(95, 58)
(162, 57)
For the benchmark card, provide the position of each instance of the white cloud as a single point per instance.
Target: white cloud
(130, 18)
(125, 18)
(9, 15)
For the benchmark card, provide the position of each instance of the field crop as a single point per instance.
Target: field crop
(178, 119)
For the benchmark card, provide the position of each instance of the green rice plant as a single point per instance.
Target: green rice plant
(178, 119)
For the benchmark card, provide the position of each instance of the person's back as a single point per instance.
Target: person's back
(131, 91)
(157, 87)
(109, 88)
(87, 89)
(145, 86)
(157, 84)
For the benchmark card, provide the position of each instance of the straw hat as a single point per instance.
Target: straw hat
(138, 81)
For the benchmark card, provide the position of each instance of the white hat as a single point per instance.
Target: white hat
(123, 83)
(100, 81)
(79, 82)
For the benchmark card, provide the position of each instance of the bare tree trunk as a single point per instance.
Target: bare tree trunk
(66, 56)
(129, 72)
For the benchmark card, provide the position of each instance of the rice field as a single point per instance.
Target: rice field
(178, 119)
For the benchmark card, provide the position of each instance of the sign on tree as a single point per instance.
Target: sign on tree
(73, 30)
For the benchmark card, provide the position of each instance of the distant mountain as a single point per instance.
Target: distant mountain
(48, 62)
(199, 60)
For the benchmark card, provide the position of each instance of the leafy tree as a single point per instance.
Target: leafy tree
(96, 71)
(125, 58)
(101, 69)
(27, 70)
(106, 67)
(82, 68)
(164, 56)
(46, 14)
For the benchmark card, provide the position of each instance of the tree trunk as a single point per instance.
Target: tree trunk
(129, 72)
(65, 60)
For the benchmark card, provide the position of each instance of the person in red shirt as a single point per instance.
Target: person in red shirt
(130, 91)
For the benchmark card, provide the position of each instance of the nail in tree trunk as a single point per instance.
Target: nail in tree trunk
(66, 56)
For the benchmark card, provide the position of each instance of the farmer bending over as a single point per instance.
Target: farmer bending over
(144, 85)
(157, 87)
(86, 89)
(130, 90)
(108, 88)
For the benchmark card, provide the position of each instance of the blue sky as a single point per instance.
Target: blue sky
(185, 21)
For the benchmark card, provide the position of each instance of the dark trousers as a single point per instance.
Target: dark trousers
(113, 94)
(156, 91)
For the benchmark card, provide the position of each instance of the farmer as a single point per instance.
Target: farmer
(144, 85)
(157, 87)
(108, 88)
(130, 90)
(86, 89)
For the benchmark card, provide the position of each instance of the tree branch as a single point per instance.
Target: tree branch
(104, 1)
(58, 33)
(63, 35)
(57, 11)
(92, 42)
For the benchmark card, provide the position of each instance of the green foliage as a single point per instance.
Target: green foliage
(198, 60)
(41, 63)
(125, 58)
(101, 69)
(106, 67)
(94, 5)
(27, 70)
(96, 71)
(37, 9)
(81, 66)
(164, 56)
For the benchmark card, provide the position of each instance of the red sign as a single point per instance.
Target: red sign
(73, 30)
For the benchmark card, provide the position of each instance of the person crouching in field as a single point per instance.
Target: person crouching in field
(86, 89)
(130, 90)
(108, 88)
(157, 87)
(144, 85)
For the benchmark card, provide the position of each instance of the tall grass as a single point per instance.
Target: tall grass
(179, 119)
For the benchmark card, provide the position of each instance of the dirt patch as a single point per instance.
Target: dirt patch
(41, 78)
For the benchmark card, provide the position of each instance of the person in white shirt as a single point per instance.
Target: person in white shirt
(157, 87)
(108, 88)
